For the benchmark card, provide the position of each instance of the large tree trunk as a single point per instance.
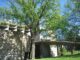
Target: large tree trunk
(36, 37)
(34, 30)
(30, 53)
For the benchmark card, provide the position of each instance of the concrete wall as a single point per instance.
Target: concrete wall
(54, 50)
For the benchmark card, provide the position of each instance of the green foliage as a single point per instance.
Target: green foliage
(3, 23)
(73, 5)
(57, 22)
(31, 12)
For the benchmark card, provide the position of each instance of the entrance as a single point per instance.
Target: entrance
(37, 50)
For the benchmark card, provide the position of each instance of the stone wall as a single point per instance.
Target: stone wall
(12, 45)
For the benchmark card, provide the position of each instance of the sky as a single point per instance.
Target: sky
(62, 3)
(4, 4)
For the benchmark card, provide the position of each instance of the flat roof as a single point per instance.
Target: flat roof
(58, 42)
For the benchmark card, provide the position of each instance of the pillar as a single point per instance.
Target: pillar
(33, 51)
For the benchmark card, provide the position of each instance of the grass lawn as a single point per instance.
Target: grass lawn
(66, 57)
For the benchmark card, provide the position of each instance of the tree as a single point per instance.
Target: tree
(31, 12)
(73, 20)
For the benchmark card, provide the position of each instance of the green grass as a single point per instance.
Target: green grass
(66, 57)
